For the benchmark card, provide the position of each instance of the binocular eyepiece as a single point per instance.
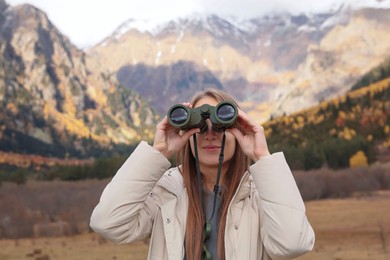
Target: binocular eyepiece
(222, 116)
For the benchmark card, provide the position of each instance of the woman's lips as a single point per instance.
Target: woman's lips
(211, 148)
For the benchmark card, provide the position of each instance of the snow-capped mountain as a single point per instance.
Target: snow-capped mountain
(218, 25)
(274, 64)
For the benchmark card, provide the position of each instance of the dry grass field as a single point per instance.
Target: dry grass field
(353, 228)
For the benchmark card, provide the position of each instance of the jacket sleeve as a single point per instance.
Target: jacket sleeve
(285, 230)
(125, 212)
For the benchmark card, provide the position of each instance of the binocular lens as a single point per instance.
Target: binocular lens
(226, 112)
(179, 115)
(222, 116)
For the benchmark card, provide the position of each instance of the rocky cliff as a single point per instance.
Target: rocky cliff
(50, 101)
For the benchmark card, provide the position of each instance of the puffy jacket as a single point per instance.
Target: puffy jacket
(146, 198)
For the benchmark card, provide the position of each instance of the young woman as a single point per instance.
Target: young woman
(256, 212)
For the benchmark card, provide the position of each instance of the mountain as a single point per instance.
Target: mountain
(350, 130)
(273, 64)
(382, 71)
(51, 102)
(57, 100)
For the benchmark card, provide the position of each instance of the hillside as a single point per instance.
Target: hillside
(378, 73)
(351, 130)
(51, 103)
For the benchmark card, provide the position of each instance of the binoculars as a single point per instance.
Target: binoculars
(222, 116)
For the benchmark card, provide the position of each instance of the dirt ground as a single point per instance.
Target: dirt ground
(355, 228)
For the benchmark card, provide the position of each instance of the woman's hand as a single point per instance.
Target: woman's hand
(168, 139)
(251, 137)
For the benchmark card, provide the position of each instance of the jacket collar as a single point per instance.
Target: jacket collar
(172, 182)
(245, 188)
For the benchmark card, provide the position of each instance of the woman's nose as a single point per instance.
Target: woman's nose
(210, 133)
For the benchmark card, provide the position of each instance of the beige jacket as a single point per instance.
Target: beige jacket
(266, 219)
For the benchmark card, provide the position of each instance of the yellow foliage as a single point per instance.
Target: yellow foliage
(148, 134)
(357, 109)
(351, 116)
(268, 132)
(372, 89)
(370, 138)
(300, 122)
(319, 119)
(98, 95)
(46, 111)
(68, 106)
(359, 159)
(352, 132)
(136, 119)
(287, 120)
(12, 107)
(112, 89)
(311, 118)
(71, 124)
(387, 129)
(342, 115)
(347, 133)
(333, 132)
(128, 133)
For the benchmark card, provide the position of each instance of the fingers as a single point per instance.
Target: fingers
(163, 122)
(165, 128)
(187, 134)
(236, 133)
(187, 104)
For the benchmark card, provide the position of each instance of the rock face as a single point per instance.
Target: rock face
(50, 101)
(274, 64)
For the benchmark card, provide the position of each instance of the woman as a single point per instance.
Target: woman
(257, 213)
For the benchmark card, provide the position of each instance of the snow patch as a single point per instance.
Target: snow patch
(306, 28)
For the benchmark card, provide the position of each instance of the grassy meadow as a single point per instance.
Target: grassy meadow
(355, 228)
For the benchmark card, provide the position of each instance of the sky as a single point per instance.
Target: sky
(87, 22)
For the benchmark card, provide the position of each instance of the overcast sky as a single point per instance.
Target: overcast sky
(86, 22)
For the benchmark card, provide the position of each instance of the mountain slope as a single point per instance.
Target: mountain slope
(378, 73)
(341, 58)
(352, 129)
(50, 101)
(271, 63)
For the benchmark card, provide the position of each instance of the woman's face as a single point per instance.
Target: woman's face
(209, 142)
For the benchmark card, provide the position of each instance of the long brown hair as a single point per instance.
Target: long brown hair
(195, 217)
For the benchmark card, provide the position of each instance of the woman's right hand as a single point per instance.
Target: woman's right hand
(168, 139)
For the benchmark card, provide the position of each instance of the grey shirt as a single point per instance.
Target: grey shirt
(211, 243)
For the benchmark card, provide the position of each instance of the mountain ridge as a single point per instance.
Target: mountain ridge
(244, 24)
(50, 101)
(286, 55)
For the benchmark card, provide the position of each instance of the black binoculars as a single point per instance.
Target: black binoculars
(222, 116)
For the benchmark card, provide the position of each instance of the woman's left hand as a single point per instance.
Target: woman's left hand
(252, 138)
